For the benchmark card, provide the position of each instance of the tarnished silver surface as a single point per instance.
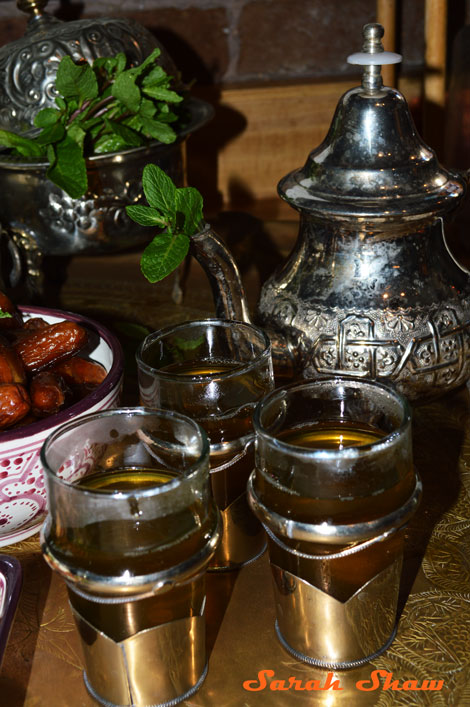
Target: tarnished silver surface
(323, 631)
(28, 66)
(156, 666)
(243, 538)
(33, 207)
(370, 289)
(229, 294)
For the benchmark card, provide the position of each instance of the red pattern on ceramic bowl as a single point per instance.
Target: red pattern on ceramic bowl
(22, 492)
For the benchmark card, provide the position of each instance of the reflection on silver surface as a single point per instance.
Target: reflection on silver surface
(163, 664)
(370, 288)
(318, 628)
(243, 539)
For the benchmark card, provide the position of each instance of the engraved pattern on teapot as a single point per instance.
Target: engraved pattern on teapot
(357, 347)
(29, 67)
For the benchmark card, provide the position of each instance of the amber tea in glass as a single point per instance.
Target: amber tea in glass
(334, 486)
(132, 527)
(215, 372)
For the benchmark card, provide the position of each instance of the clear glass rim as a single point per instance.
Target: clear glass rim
(325, 454)
(222, 323)
(186, 476)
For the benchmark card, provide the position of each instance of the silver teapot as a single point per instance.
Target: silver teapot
(370, 289)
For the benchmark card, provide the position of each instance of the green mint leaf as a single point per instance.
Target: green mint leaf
(109, 143)
(188, 344)
(76, 81)
(159, 190)
(71, 107)
(189, 203)
(157, 130)
(147, 108)
(156, 75)
(77, 134)
(138, 70)
(5, 315)
(162, 94)
(117, 137)
(59, 101)
(167, 117)
(131, 137)
(145, 215)
(104, 62)
(24, 146)
(68, 168)
(125, 90)
(163, 255)
(50, 134)
(121, 61)
(47, 117)
(111, 64)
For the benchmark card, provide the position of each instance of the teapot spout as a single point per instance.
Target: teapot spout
(230, 299)
(223, 274)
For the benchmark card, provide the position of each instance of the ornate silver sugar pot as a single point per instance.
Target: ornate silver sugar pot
(370, 288)
(37, 215)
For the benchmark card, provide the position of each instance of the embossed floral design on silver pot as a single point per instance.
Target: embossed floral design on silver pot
(370, 288)
(33, 210)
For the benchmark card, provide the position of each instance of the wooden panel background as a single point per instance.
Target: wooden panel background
(258, 135)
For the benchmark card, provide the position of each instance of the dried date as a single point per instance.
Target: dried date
(81, 373)
(30, 326)
(11, 366)
(48, 393)
(40, 373)
(49, 345)
(14, 404)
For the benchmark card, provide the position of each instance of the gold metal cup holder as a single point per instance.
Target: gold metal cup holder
(116, 672)
(317, 628)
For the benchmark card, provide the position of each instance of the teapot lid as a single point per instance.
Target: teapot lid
(372, 162)
(28, 66)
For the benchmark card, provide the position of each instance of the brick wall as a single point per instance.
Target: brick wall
(273, 70)
(245, 41)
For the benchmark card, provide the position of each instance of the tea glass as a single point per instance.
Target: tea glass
(215, 371)
(334, 486)
(131, 528)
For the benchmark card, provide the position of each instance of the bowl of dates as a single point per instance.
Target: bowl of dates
(54, 366)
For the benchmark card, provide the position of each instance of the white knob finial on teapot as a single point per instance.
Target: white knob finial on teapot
(373, 57)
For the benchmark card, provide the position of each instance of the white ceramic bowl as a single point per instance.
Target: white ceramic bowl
(22, 492)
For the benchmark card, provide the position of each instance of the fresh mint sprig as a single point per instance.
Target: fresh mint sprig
(102, 107)
(178, 211)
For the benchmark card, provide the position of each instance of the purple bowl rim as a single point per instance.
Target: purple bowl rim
(80, 407)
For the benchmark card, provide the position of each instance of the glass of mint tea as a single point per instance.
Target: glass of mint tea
(334, 486)
(131, 528)
(215, 371)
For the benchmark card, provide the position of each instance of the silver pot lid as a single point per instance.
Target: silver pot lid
(372, 162)
(29, 65)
